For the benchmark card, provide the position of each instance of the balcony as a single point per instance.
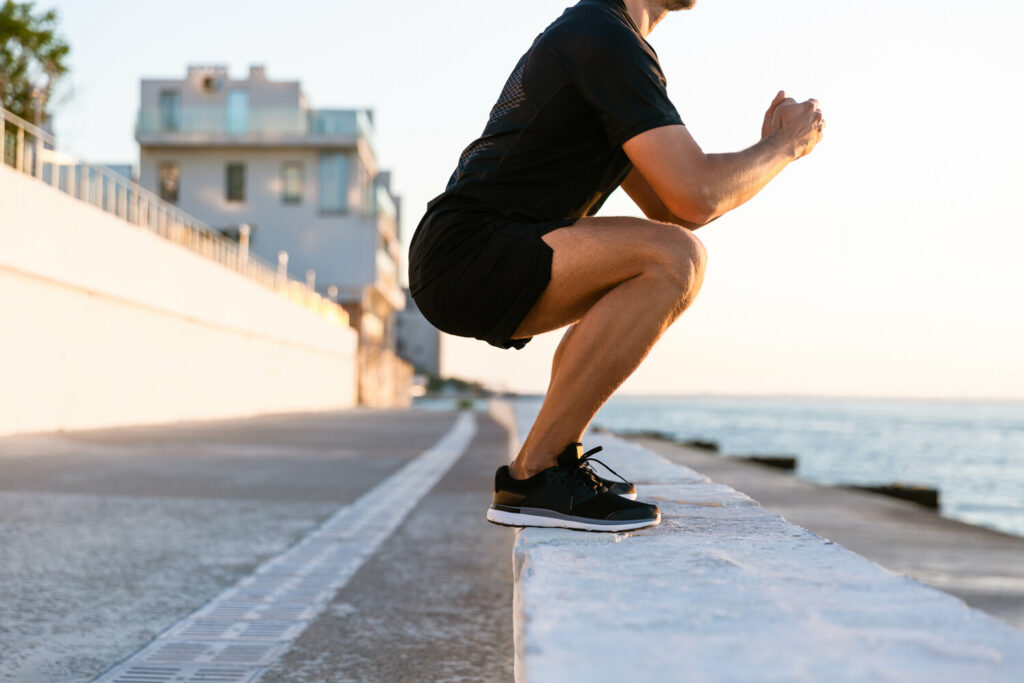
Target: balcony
(327, 122)
(257, 126)
(387, 281)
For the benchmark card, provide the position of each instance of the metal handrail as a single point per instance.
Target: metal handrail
(33, 151)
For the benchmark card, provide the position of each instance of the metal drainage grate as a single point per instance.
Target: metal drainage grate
(308, 595)
(268, 581)
(203, 629)
(244, 653)
(173, 652)
(168, 651)
(272, 630)
(319, 581)
(140, 673)
(288, 568)
(246, 611)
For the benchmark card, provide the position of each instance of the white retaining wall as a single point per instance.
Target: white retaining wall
(723, 590)
(103, 323)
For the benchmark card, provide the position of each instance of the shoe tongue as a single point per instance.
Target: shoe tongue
(570, 456)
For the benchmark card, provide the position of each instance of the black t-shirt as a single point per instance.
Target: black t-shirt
(552, 147)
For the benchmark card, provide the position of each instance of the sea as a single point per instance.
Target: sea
(972, 451)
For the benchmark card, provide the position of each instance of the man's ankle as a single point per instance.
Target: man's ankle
(520, 470)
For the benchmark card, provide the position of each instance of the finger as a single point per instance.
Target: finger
(779, 98)
(770, 114)
(813, 102)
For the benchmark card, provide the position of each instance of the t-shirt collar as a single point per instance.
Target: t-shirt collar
(620, 5)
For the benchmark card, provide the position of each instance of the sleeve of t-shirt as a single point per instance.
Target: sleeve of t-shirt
(618, 75)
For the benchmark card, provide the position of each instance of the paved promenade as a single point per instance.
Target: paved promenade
(113, 538)
(985, 568)
(352, 546)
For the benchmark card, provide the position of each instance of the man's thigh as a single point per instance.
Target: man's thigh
(593, 256)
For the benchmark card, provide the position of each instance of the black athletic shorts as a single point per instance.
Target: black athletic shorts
(475, 274)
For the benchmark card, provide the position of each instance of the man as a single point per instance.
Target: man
(512, 248)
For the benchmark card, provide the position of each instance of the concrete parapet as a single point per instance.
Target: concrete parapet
(103, 323)
(723, 590)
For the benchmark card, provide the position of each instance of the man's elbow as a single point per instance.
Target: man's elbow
(699, 207)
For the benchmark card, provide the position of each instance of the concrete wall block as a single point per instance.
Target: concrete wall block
(723, 590)
(105, 323)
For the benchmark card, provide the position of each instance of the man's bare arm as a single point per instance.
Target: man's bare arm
(698, 187)
(648, 201)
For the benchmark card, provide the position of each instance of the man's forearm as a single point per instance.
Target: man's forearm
(698, 187)
(729, 180)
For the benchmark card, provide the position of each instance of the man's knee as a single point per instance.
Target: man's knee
(682, 259)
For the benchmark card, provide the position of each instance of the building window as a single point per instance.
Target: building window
(235, 190)
(334, 169)
(170, 176)
(291, 180)
(170, 110)
(238, 112)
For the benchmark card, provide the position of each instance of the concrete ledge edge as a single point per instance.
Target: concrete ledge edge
(725, 590)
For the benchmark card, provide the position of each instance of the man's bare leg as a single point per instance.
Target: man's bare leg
(622, 281)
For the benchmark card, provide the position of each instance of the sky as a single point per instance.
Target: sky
(886, 263)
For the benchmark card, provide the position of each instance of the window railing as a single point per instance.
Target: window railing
(340, 122)
(220, 120)
(34, 152)
(252, 121)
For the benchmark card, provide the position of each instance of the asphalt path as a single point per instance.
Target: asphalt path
(107, 537)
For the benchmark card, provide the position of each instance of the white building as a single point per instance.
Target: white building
(306, 181)
(418, 341)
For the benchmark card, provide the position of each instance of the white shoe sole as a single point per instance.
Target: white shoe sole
(550, 519)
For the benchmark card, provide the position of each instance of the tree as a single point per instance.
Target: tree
(33, 59)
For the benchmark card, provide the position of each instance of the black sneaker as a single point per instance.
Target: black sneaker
(622, 488)
(568, 496)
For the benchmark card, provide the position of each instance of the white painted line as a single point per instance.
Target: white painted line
(241, 632)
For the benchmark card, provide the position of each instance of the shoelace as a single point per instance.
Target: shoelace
(583, 465)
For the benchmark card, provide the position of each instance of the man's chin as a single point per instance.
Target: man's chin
(676, 5)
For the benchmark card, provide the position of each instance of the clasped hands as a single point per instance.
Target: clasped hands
(800, 123)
